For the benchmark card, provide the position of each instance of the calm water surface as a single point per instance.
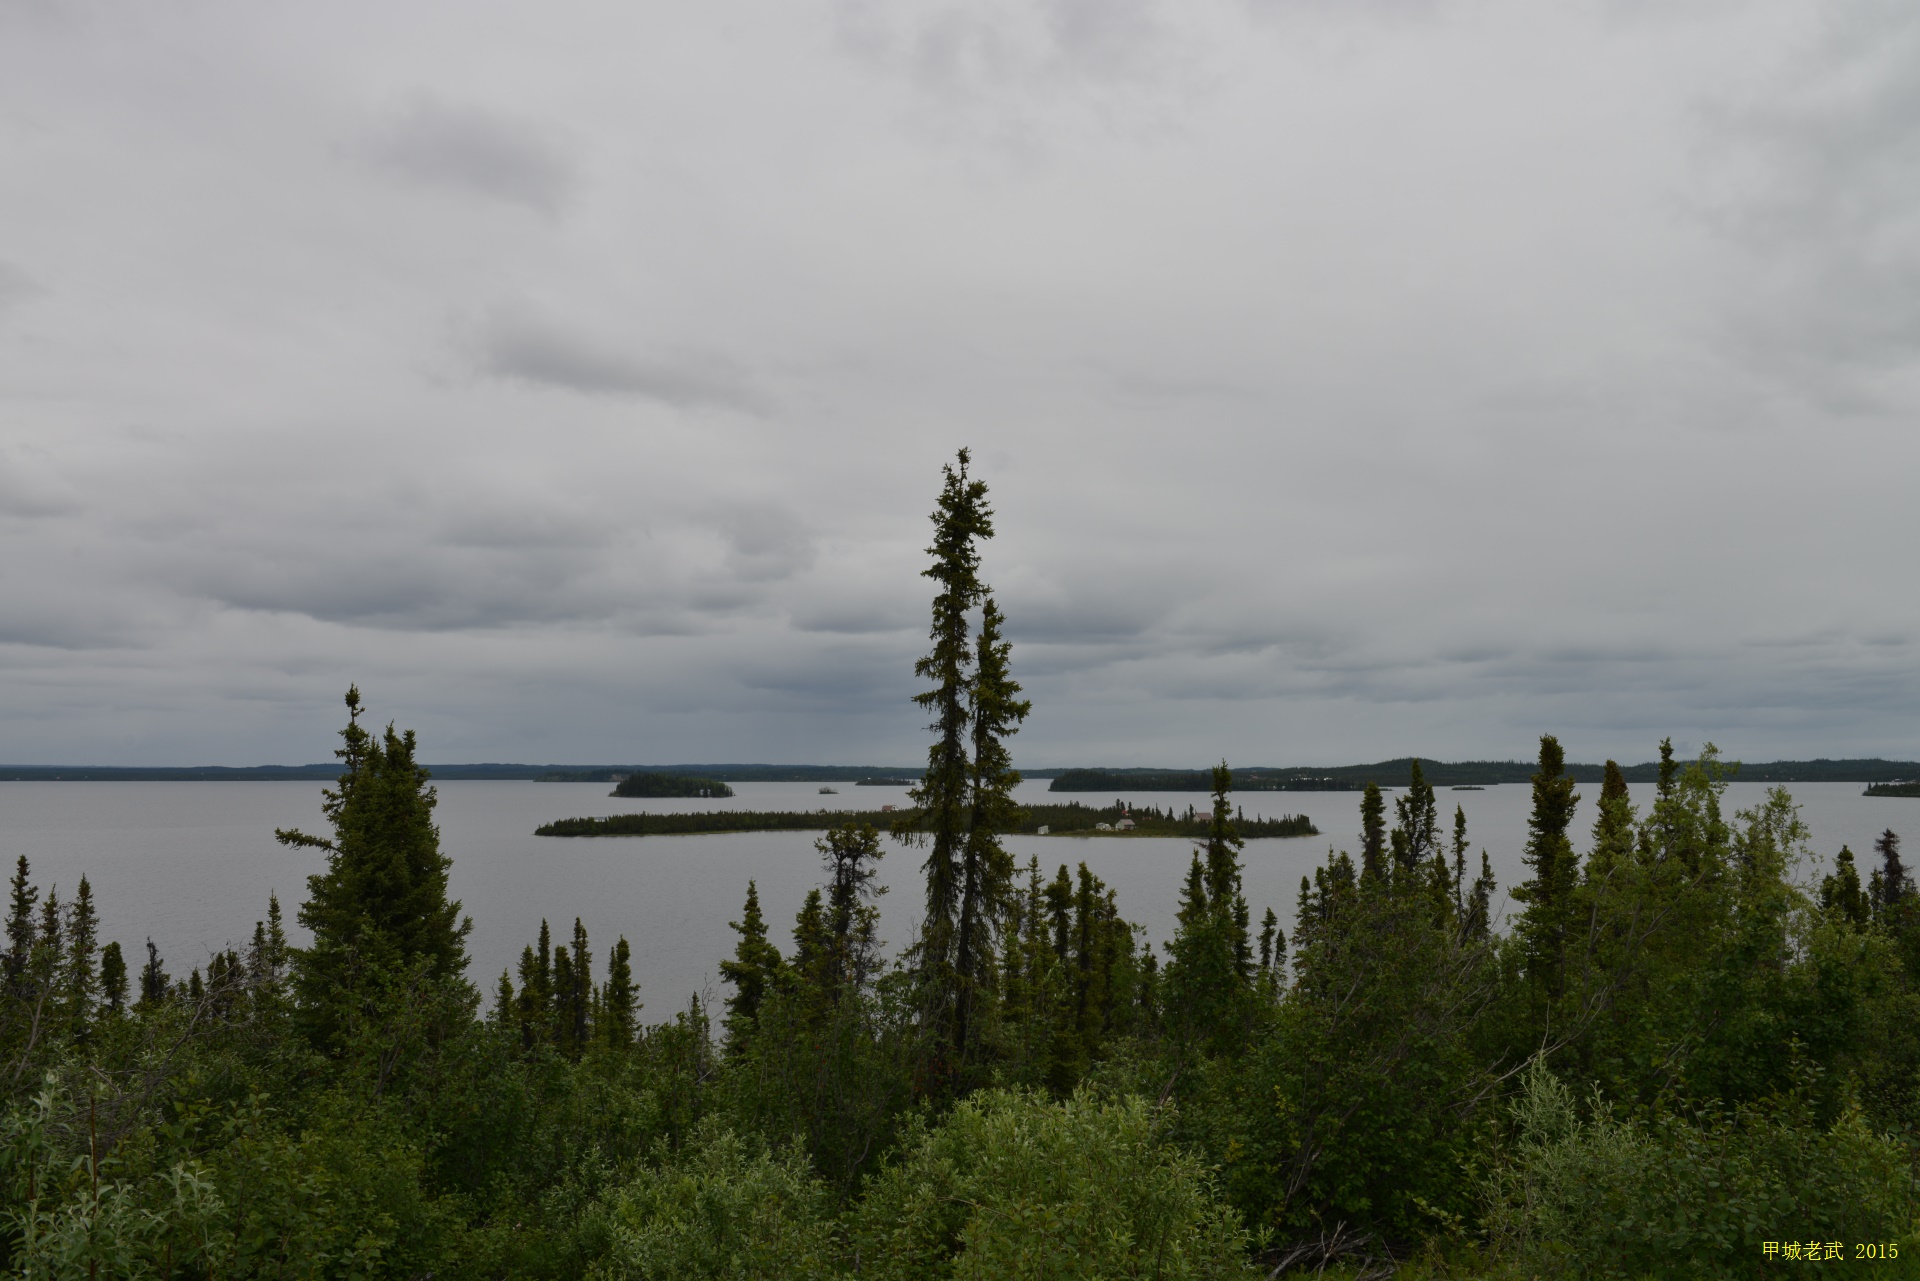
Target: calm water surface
(191, 864)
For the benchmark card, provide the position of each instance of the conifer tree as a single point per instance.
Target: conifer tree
(1269, 926)
(1840, 892)
(560, 1012)
(22, 896)
(1479, 921)
(1550, 855)
(267, 955)
(1210, 958)
(579, 995)
(49, 957)
(850, 852)
(995, 711)
(1416, 832)
(960, 520)
(813, 966)
(529, 1007)
(753, 971)
(620, 1005)
(154, 986)
(381, 906)
(1894, 883)
(1613, 827)
(503, 1002)
(81, 980)
(1373, 834)
(113, 979)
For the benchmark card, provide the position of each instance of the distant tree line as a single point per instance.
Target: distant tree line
(651, 784)
(1341, 778)
(1060, 819)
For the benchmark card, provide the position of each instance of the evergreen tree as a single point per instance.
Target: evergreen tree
(960, 520)
(113, 979)
(995, 711)
(753, 971)
(1273, 942)
(48, 960)
(812, 972)
(1373, 834)
(578, 1009)
(503, 1002)
(560, 1013)
(530, 1006)
(1840, 892)
(620, 1005)
(1894, 883)
(1613, 828)
(850, 853)
(381, 906)
(20, 927)
(1416, 831)
(1210, 958)
(154, 985)
(1549, 853)
(81, 981)
(1478, 921)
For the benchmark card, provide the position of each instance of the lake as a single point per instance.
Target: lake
(192, 863)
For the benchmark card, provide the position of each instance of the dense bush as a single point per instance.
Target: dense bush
(1696, 1194)
(1012, 1186)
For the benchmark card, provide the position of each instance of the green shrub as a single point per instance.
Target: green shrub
(1010, 1186)
(1694, 1196)
(724, 1208)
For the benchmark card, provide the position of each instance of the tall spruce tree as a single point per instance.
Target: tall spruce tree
(381, 906)
(80, 982)
(1373, 834)
(1893, 885)
(620, 999)
(154, 987)
(1840, 892)
(1549, 854)
(1209, 972)
(113, 979)
(753, 971)
(996, 710)
(961, 519)
(850, 853)
(1416, 832)
(1613, 826)
(21, 897)
(965, 798)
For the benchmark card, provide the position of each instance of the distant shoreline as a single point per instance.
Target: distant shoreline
(1250, 778)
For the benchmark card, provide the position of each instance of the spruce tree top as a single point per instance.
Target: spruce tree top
(384, 894)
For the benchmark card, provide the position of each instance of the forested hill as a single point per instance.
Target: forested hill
(1344, 778)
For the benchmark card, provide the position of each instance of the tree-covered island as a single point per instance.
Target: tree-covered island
(1072, 819)
(1688, 1050)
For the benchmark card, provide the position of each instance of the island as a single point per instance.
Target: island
(1899, 788)
(1072, 819)
(654, 784)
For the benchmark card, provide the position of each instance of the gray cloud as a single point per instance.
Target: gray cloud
(473, 150)
(16, 286)
(1822, 191)
(1348, 383)
(513, 343)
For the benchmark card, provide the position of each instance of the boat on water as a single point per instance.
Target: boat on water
(829, 791)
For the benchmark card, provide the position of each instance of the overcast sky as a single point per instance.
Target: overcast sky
(1351, 379)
